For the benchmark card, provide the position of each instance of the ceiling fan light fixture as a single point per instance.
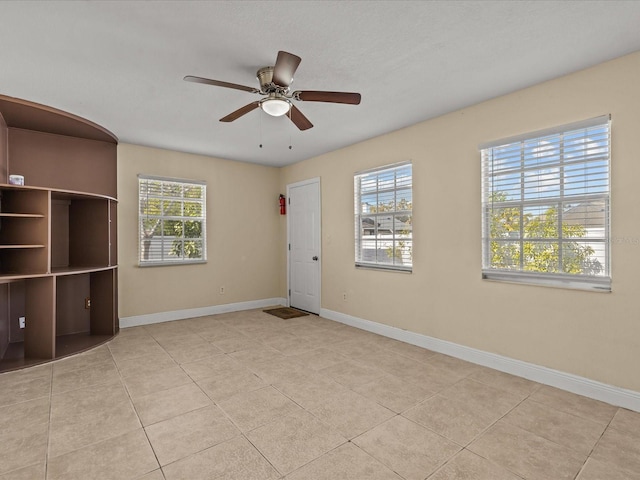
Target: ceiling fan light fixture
(276, 107)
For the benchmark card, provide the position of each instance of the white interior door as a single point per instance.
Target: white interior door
(304, 245)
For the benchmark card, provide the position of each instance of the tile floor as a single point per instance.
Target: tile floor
(246, 395)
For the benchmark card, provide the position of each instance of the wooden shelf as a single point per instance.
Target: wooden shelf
(21, 215)
(78, 342)
(59, 271)
(65, 345)
(59, 192)
(58, 239)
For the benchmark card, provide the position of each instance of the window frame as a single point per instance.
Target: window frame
(161, 217)
(589, 281)
(358, 215)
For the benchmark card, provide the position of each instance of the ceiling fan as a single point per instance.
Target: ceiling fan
(274, 86)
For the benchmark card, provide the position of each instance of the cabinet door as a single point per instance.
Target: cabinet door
(103, 302)
(40, 330)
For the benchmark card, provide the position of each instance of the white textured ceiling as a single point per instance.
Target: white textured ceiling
(121, 64)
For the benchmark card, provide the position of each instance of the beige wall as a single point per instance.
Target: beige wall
(595, 335)
(244, 234)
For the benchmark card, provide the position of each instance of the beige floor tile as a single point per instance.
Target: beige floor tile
(171, 339)
(24, 430)
(145, 364)
(66, 380)
(257, 356)
(155, 475)
(432, 377)
(23, 385)
(125, 456)
(294, 440)
(347, 462)
(33, 472)
(627, 421)
(351, 414)
(129, 348)
(289, 344)
(24, 446)
(146, 384)
(253, 409)
(575, 404)
(19, 415)
(574, 432)
(95, 356)
(235, 344)
(595, 470)
(219, 332)
(231, 460)
(318, 358)
(510, 383)
(455, 419)
(526, 454)
(131, 332)
(313, 392)
(192, 352)
(229, 383)
(189, 433)
(482, 398)
(297, 414)
(351, 374)
(412, 351)
(467, 466)
(280, 371)
(89, 415)
(166, 404)
(406, 448)
(351, 348)
(173, 329)
(453, 364)
(621, 449)
(394, 393)
(389, 362)
(210, 366)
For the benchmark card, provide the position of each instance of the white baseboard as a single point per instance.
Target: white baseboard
(573, 383)
(160, 317)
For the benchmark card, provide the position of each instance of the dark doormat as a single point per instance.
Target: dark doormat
(286, 312)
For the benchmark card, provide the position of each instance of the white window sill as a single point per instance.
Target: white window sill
(600, 284)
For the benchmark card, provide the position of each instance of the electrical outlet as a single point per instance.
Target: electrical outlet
(221, 290)
(344, 296)
(87, 303)
(22, 321)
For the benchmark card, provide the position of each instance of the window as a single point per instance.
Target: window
(383, 217)
(545, 207)
(171, 221)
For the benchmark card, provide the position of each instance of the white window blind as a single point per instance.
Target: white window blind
(545, 207)
(383, 217)
(172, 221)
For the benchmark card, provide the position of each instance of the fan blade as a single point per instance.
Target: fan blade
(218, 83)
(240, 112)
(330, 97)
(286, 65)
(299, 119)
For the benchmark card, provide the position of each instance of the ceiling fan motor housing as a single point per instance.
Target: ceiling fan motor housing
(265, 78)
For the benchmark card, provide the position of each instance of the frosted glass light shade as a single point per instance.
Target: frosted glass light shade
(275, 107)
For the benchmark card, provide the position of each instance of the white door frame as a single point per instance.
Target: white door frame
(290, 186)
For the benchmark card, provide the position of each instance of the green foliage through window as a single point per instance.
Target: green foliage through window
(172, 221)
(545, 201)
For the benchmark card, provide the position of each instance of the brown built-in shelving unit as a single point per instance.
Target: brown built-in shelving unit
(58, 250)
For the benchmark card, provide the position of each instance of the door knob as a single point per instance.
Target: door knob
(315, 258)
